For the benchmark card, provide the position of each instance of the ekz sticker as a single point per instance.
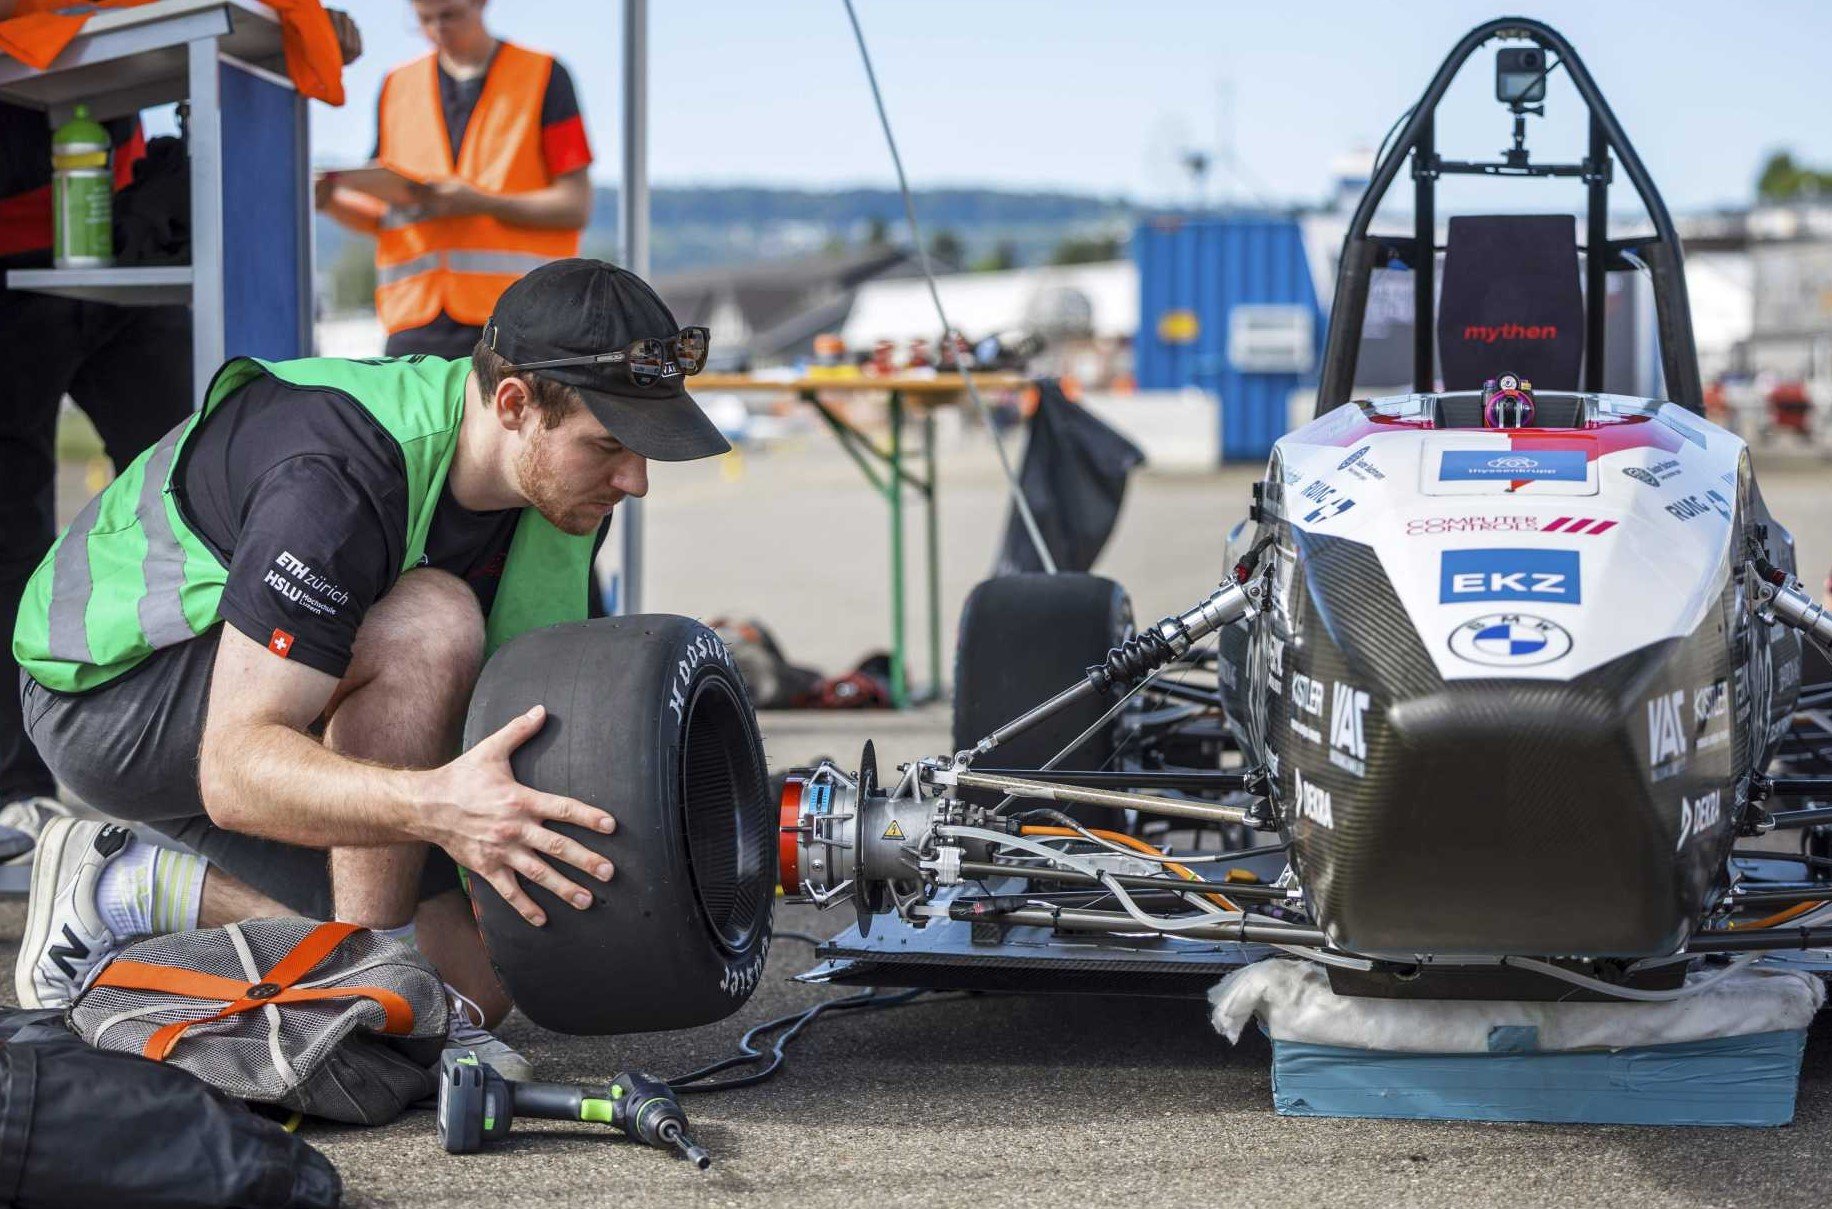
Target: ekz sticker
(1542, 576)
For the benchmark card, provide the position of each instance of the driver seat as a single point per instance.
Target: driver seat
(1512, 300)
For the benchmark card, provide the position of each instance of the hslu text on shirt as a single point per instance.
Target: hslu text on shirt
(297, 582)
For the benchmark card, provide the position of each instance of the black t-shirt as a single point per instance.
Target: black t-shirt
(304, 497)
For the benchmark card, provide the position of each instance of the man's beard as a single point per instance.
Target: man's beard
(542, 488)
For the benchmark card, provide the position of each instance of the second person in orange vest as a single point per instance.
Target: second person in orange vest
(494, 130)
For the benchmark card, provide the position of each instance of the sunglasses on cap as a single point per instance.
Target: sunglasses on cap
(647, 361)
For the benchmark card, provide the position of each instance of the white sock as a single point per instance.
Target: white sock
(404, 933)
(149, 891)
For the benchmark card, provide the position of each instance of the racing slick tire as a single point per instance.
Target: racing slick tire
(648, 719)
(1023, 639)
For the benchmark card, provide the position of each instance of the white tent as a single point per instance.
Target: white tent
(980, 304)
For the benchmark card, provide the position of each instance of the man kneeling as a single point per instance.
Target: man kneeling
(262, 638)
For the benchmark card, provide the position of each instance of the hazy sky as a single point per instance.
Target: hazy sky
(1098, 95)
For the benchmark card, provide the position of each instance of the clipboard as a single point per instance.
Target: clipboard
(384, 184)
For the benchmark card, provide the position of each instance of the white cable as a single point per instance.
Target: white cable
(1654, 963)
(1339, 960)
(1210, 916)
(947, 329)
(1634, 993)
(1066, 860)
(1157, 858)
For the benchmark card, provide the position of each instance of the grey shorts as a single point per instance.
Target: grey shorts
(129, 749)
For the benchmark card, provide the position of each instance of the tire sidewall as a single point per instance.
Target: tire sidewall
(619, 694)
(991, 597)
(703, 659)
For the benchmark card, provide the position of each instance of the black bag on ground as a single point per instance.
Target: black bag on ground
(81, 1127)
(1073, 477)
(770, 679)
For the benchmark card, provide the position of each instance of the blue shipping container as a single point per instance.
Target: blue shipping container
(1194, 274)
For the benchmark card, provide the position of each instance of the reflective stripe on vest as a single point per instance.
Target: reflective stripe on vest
(131, 577)
(161, 610)
(460, 264)
(514, 264)
(388, 274)
(70, 588)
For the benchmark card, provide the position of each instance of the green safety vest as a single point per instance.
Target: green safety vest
(130, 576)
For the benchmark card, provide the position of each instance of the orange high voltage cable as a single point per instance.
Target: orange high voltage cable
(1779, 917)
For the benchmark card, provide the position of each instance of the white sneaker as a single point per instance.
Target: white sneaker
(29, 816)
(65, 939)
(467, 1034)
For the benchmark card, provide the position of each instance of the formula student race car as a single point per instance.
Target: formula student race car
(1502, 683)
(1496, 681)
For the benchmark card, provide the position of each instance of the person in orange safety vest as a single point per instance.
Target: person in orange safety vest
(493, 132)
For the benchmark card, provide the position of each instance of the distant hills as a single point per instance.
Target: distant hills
(695, 226)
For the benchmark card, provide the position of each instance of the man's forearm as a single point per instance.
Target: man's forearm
(354, 216)
(269, 780)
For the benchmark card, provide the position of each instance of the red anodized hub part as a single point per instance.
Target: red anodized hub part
(788, 837)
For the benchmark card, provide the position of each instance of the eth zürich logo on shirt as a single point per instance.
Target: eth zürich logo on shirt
(292, 578)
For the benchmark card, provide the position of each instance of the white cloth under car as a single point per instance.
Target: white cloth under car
(1294, 1001)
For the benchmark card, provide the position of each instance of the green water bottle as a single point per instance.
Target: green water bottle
(82, 194)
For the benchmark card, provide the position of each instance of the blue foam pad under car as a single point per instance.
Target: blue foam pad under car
(1747, 1080)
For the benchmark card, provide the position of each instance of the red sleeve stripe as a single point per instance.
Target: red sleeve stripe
(25, 222)
(563, 146)
(127, 155)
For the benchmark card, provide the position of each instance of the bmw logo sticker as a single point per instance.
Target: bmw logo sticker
(1510, 640)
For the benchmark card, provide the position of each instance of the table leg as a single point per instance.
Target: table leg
(900, 691)
(850, 440)
(930, 486)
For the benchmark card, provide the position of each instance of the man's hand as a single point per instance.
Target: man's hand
(357, 211)
(493, 825)
(450, 199)
(565, 205)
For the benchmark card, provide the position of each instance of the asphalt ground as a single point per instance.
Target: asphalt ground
(995, 1101)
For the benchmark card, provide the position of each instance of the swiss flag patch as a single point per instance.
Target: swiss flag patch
(281, 643)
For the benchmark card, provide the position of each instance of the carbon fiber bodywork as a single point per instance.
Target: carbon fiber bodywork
(1488, 817)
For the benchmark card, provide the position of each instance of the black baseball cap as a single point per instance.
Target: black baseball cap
(580, 308)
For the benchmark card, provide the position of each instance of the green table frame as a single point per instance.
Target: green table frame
(893, 469)
(887, 471)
